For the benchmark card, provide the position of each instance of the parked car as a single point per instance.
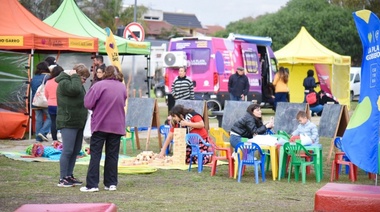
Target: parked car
(355, 79)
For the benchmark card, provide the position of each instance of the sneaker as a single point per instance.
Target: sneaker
(85, 189)
(74, 180)
(111, 188)
(43, 137)
(65, 183)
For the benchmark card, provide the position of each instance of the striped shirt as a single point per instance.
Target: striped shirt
(183, 88)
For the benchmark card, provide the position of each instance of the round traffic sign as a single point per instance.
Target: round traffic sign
(134, 31)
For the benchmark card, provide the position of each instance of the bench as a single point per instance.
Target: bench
(347, 197)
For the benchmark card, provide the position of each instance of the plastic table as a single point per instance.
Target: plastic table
(316, 148)
(273, 159)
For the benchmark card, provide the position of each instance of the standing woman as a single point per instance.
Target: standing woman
(51, 96)
(41, 75)
(309, 83)
(106, 98)
(182, 87)
(71, 118)
(280, 83)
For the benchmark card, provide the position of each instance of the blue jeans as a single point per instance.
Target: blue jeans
(234, 140)
(235, 98)
(42, 126)
(72, 139)
(280, 97)
(316, 109)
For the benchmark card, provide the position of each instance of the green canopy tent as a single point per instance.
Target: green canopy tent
(69, 18)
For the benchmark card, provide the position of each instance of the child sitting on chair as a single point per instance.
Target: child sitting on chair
(187, 118)
(306, 127)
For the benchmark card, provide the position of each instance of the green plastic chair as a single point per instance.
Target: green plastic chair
(126, 138)
(297, 152)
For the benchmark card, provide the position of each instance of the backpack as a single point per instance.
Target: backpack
(40, 99)
(311, 98)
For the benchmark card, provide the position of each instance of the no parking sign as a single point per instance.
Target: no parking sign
(134, 31)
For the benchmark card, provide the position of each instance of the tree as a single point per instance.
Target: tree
(105, 13)
(41, 8)
(332, 25)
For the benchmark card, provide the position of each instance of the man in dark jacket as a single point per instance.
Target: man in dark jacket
(238, 85)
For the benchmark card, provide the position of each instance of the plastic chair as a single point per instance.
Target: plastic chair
(341, 159)
(220, 135)
(246, 153)
(164, 130)
(227, 156)
(194, 140)
(129, 136)
(297, 152)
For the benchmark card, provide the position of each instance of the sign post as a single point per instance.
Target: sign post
(134, 31)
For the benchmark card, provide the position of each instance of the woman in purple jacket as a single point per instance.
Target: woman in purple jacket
(106, 99)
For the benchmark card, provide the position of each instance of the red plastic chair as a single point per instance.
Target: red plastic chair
(227, 156)
(341, 159)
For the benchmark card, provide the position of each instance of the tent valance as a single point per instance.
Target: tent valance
(21, 30)
(69, 18)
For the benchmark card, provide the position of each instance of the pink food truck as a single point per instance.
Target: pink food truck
(210, 61)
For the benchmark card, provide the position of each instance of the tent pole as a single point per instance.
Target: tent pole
(376, 180)
(30, 94)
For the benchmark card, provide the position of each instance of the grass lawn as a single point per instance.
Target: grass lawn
(164, 190)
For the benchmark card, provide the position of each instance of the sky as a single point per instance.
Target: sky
(215, 12)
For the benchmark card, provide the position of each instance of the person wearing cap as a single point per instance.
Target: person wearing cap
(238, 85)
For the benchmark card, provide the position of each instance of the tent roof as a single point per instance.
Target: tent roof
(305, 49)
(21, 30)
(69, 18)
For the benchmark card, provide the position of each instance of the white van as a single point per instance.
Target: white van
(355, 82)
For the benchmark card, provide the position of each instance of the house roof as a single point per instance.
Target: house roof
(155, 27)
(210, 30)
(182, 20)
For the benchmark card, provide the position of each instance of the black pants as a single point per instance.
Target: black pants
(112, 143)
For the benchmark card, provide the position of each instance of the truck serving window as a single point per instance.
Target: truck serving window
(199, 60)
(251, 62)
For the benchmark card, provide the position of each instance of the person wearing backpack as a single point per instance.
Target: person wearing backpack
(41, 75)
(309, 83)
(313, 99)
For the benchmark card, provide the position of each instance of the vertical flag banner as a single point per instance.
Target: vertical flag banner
(361, 138)
(323, 76)
(111, 48)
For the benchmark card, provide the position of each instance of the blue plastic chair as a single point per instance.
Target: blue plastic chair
(194, 140)
(246, 157)
(164, 130)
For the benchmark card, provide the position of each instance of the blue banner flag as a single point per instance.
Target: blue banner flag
(361, 138)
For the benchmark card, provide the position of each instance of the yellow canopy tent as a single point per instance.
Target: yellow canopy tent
(331, 69)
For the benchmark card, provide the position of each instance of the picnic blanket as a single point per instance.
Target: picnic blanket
(23, 156)
(166, 166)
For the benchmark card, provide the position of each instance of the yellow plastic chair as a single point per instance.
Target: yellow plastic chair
(129, 136)
(221, 138)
